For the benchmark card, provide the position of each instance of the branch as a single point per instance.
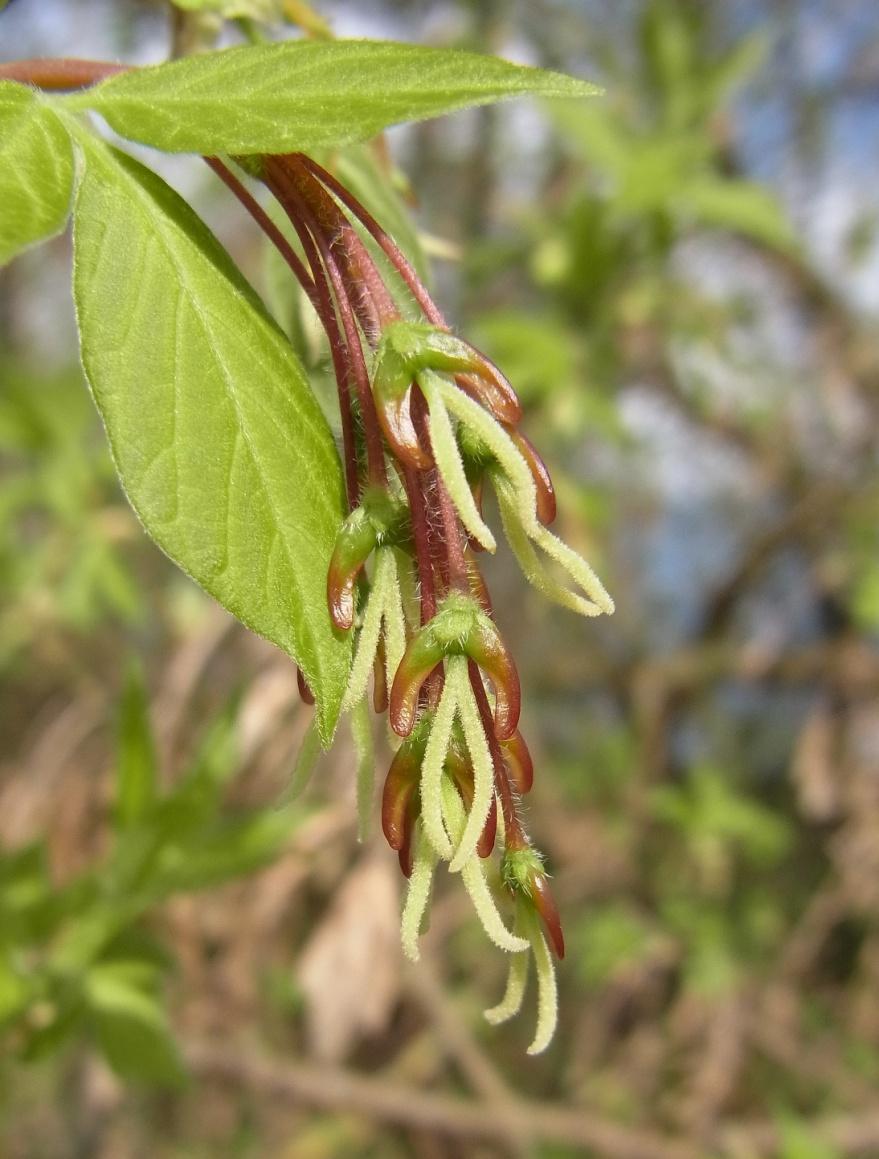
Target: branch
(337, 1089)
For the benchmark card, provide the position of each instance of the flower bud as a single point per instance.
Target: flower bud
(546, 505)
(523, 873)
(379, 519)
(518, 761)
(459, 628)
(400, 789)
(355, 543)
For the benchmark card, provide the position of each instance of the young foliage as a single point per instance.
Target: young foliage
(218, 440)
(36, 170)
(76, 959)
(302, 95)
(229, 462)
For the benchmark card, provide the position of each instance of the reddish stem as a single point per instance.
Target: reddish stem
(514, 835)
(59, 75)
(338, 352)
(268, 227)
(385, 242)
(369, 295)
(305, 222)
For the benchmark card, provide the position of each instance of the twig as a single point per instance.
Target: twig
(338, 1089)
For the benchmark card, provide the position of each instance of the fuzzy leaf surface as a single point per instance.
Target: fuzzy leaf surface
(218, 440)
(36, 170)
(304, 94)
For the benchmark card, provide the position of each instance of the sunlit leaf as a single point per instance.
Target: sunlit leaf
(220, 445)
(301, 94)
(36, 170)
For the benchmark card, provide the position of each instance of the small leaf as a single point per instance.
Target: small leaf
(36, 170)
(218, 440)
(299, 95)
(130, 1025)
(15, 991)
(230, 849)
(742, 206)
(136, 758)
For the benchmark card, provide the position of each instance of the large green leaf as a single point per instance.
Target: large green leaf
(298, 95)
(36, 170)
(217, 438)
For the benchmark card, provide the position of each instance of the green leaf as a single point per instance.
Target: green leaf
(217, 438)
(301, 94)
(136, 758)
(741, 206)
(130, 1025)
(36, 170)
(15, 991)
(232, 849)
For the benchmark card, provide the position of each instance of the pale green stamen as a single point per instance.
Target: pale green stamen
(447, 457)
(361, 734)
(417, 897)
(435, 752)
(483, 775)
(473, 876)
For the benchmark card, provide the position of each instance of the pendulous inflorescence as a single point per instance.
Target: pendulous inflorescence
(427, 423)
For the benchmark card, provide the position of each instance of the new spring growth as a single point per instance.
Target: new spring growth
(426, 422)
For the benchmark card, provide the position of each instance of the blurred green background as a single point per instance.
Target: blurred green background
(682, 281)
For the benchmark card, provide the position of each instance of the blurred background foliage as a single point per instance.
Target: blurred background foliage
(682, 281)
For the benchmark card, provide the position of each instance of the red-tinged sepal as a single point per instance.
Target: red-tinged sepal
(304, 691)
(400, 790)
(460, 768)
(398, 426)
(485, 646)
(491, 389)
(405, 852)
(356, 541)
(546, 504)
(380, 680)
(488, 836)
(524, 874)
(422, 655)
(518, 761)
(380, 519)
(546, 907)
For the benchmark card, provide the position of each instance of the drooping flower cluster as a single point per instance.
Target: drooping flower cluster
(427, 421)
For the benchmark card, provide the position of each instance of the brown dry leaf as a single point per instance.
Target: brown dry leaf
(350, 968)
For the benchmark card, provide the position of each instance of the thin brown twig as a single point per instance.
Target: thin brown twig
(339, 1089)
